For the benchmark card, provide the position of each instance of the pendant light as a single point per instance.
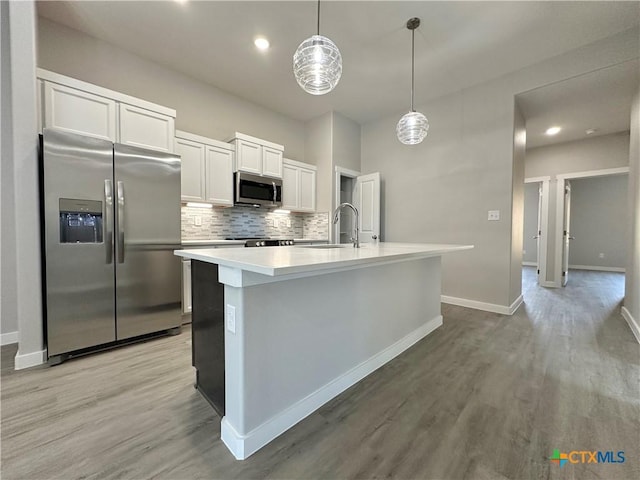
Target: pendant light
(317, 63)
(413, 126)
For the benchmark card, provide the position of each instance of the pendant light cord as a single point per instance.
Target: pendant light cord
(318, 17)
(413, 43)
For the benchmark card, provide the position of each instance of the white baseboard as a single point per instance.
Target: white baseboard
(242, 446)
(487, 307)
(32, 359)
(549, 284)
(632, 322)
(529, 264)
(8, 338)
(596, 268)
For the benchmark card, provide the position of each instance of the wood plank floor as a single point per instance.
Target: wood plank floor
(487, 396)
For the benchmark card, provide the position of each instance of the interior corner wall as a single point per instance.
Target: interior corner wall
(346, 142)
(201, 108)
(8, 293)
(440, 191)
(632, 284)
(319, 151)
(596, 153)
(517, 205)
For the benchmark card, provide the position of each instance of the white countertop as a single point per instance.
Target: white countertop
(276, 261)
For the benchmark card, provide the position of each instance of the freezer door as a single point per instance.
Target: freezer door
(148, 275)
(77, 206)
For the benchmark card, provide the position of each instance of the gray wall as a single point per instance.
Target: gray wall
(20, 221)
(346, 142)
(8, 293)
(599, 221)
(531, 203)
(441, 190)
(318, 151)
(597, 153)
(202, 108)
(517, 206)
(632, 286)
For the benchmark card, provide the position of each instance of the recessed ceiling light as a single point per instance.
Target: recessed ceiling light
(553, 130)
(591, 131)
(262, 43)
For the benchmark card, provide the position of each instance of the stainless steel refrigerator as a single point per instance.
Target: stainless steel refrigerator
(111, 220)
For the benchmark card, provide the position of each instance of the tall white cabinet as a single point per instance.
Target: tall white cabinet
(298, 186)
(80, 107)
(207, 169)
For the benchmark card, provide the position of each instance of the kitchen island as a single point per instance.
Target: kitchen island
(278, 332)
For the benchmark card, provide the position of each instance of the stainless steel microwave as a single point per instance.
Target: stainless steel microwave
(256, 190)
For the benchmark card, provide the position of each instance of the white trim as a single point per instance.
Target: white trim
(256, 140)
(242, 446)
(537, 179)
(103, 92)
(8, 338)
(549, 284)
(487, 307)
(32, 359)
(560, 181)
(296, 163)
(192, 137)
(597, 268)
(529, 264)
(633, 324)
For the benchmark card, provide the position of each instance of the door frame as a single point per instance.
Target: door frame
(338, 173)
(544, 226)
(560, 182)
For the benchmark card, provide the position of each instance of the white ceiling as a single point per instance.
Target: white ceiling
(598, 100)
(459, 44)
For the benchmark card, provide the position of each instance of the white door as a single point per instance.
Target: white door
(192, 177)
(539, 231)
(566, 234)
(219, 174)
(143, 128)
(271, 162)
(307, 190)
(290, 187)
(249, 157)
(367, 201)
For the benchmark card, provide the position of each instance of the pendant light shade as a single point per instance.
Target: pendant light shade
(413, 126)
(317, 63)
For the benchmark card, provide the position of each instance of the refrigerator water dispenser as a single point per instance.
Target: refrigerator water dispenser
(80, 221)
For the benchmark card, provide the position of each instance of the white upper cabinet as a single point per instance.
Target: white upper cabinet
(207, 169)
(192, 169)
(219, 174)
(86, 109)
(79, 112)
(145, 128)
(257, 156)
(249, 157)
(298, 186)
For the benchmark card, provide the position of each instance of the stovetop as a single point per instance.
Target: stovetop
(264, 242)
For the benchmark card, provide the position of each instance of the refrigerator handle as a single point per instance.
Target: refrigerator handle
(108, 214)
(120, 246)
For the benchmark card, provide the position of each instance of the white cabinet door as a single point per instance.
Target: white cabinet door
(186, 286)
(290, 187)
(307, 190)
(219, 174)
(271, 162)
(249, 157)
(144, 128)
(79, 112)
(193, 169)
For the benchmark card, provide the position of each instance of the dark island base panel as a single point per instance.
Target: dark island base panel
(207, 324)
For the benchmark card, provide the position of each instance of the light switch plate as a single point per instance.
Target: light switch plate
(494, 215)
(231, 318)
(198, 221)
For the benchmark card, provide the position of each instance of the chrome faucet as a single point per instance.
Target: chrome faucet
(336, 217)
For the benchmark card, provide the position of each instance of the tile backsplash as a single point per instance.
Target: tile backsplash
(221, 223)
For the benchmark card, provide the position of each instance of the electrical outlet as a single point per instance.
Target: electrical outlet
(198, 221)
(231, 318)
(493, 215)
(601, 255)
